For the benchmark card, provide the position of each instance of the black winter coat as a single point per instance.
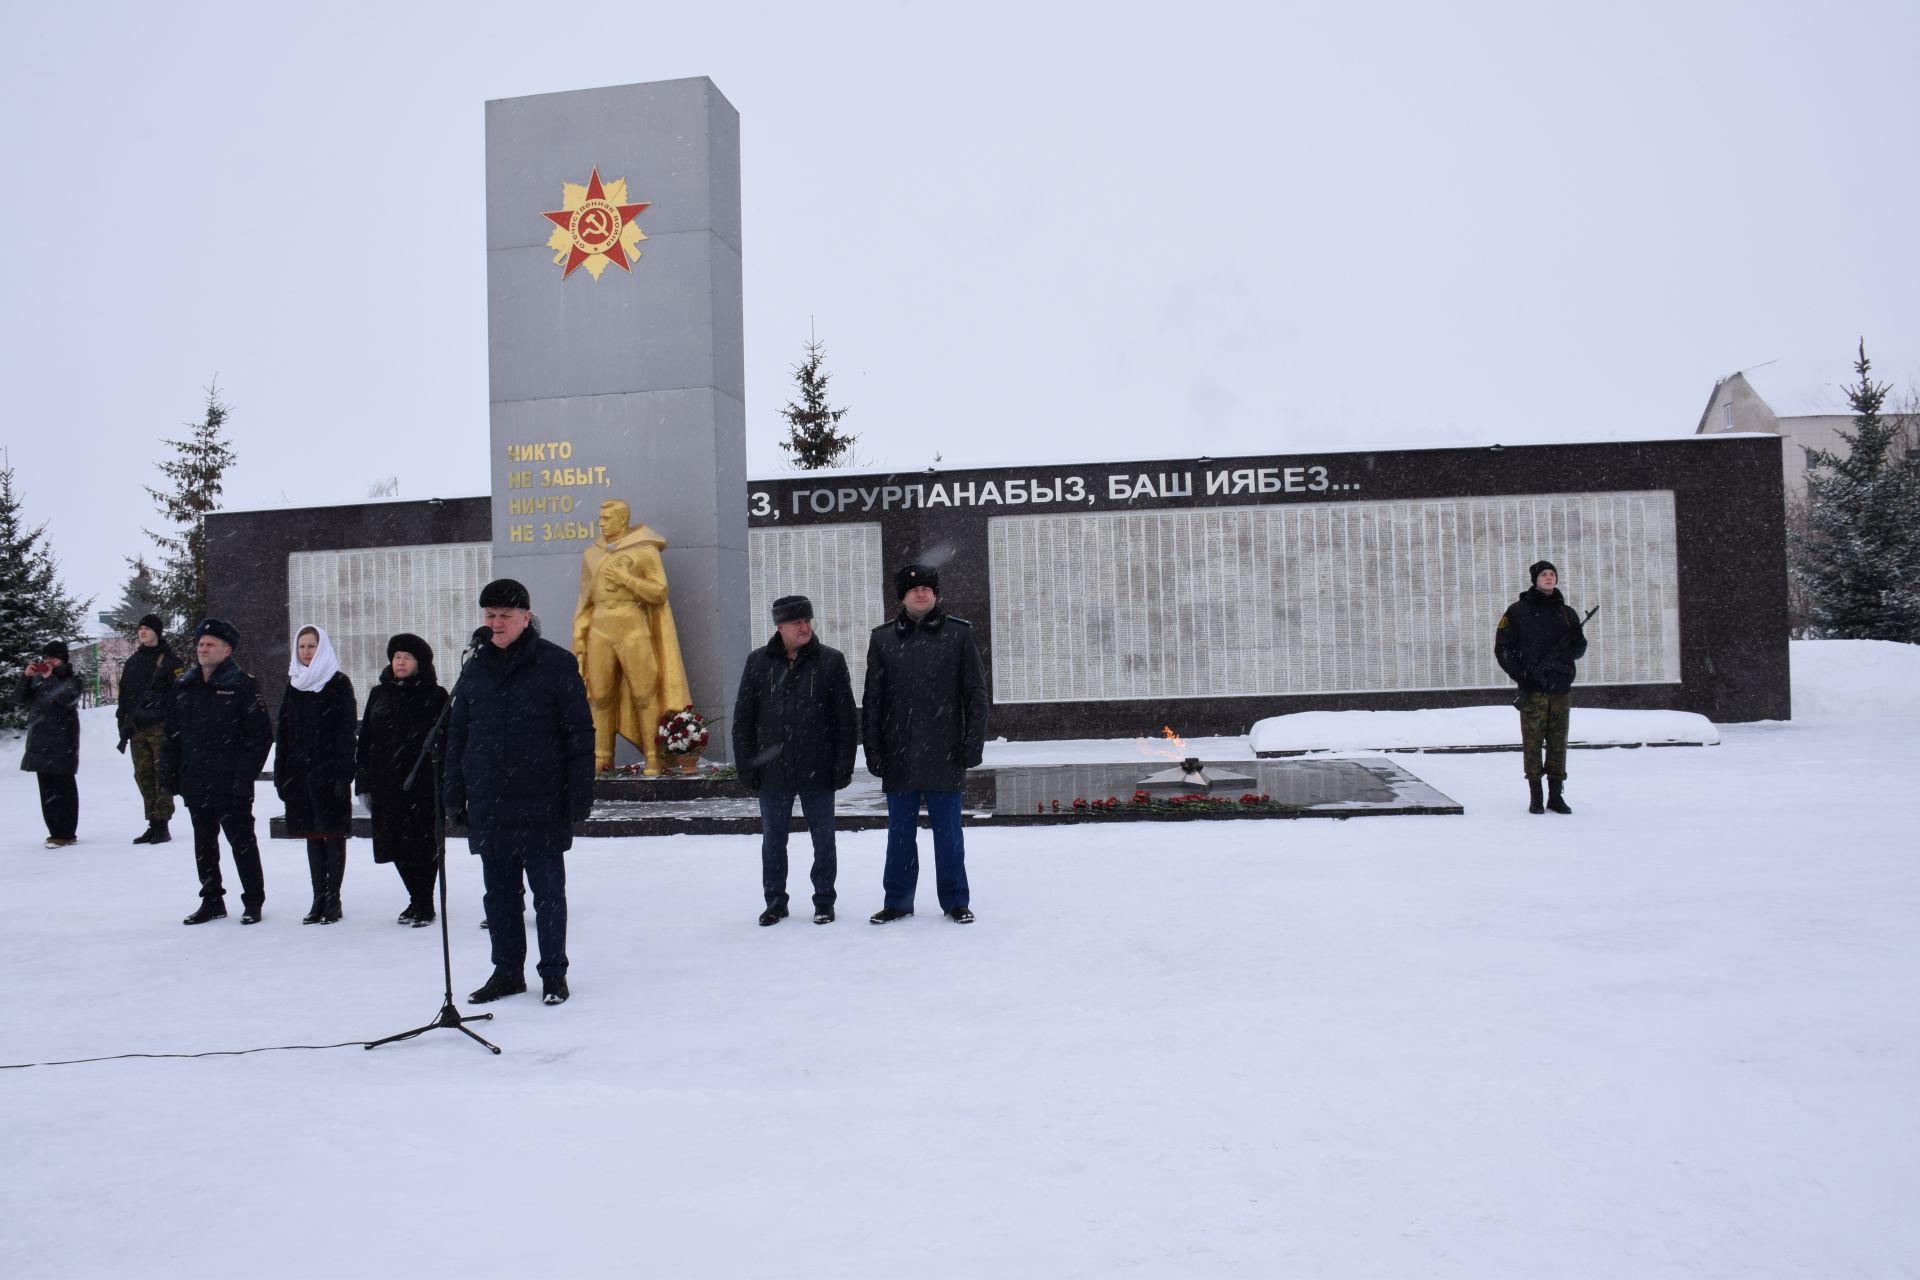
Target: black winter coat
(794, 723)
(313, 759)
(53, 721)
(218, 736)
(400, 714)
(145, 679)
(924, 716)
(1527, 643)
(520, 747)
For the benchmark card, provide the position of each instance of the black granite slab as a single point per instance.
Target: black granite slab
(1024, 796)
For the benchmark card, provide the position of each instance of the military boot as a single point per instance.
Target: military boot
(1533, 790)
(1556, 801)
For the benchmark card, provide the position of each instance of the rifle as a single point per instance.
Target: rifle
(1520, 696)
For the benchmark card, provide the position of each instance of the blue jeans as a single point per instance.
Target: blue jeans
(506, 900)
(903, 848)
(776, 818)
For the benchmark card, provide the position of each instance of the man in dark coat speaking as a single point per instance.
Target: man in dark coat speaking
(520, 774)
(794, 731)
(1537, 642)
(924, 723)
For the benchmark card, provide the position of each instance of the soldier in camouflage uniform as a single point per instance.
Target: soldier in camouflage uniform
(146, 686)
(1537, 642)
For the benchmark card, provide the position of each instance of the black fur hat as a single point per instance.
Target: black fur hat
(505, 593)
(915, 575)
(219, 631)
(792, 609)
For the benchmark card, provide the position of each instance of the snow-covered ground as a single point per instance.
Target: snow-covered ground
(1672, 1035)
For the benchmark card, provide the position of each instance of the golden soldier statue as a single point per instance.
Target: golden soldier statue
(624, 639)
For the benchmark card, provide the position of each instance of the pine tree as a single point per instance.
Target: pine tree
(34, 607)
(813, 436)
(1859, 560)
(138, 598)
(195, 471)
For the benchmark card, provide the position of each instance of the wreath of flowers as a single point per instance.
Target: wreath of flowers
(1145, 802)
(684, 733)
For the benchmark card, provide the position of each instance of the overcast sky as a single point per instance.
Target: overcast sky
(1028, 231)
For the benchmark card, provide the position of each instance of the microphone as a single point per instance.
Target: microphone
(480, 639)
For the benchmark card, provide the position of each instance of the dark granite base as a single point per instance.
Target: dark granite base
(1026, 796)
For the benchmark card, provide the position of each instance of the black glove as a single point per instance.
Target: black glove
(458, 818)
(581, 812)
(841, 781)
(121, 746)
(749, 778)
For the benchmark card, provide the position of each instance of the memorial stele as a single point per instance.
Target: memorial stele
(615, 361)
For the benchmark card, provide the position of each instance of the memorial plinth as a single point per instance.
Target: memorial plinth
(615, 350)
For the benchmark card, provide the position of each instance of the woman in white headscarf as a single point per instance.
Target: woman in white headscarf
(313, 765)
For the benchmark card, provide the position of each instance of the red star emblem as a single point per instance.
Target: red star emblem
(595, 227)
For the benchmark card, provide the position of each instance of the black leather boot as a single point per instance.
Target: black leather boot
(317, 873)
(1533, 790)
(1556, 801)
(336, 872)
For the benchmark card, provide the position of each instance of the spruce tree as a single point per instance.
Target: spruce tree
(814, 439)
(1859, 559)
(34, 606)
(195, 473)
(138, 598)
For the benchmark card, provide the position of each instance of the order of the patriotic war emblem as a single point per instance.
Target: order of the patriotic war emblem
(594, 226)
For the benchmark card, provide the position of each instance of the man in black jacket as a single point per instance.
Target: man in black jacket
(924, 723)
(218, 734)
(145, 682)
(794, 731)
(1537, 642)
(519, 775)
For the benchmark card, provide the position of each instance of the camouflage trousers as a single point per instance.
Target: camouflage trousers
(144, 747)
(1543, 734)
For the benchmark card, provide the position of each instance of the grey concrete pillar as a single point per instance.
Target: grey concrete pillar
(615, 358)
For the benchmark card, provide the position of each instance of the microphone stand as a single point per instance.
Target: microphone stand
(449, 1017)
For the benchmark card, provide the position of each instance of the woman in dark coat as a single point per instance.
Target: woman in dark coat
(401, 711)
(313, 765)
(50, 692)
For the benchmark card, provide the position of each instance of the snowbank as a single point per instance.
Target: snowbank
(1469, 727)
(1844, 679)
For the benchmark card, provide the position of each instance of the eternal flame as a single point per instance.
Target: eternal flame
(624, 639)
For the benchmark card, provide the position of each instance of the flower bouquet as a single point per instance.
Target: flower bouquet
(684, 736)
